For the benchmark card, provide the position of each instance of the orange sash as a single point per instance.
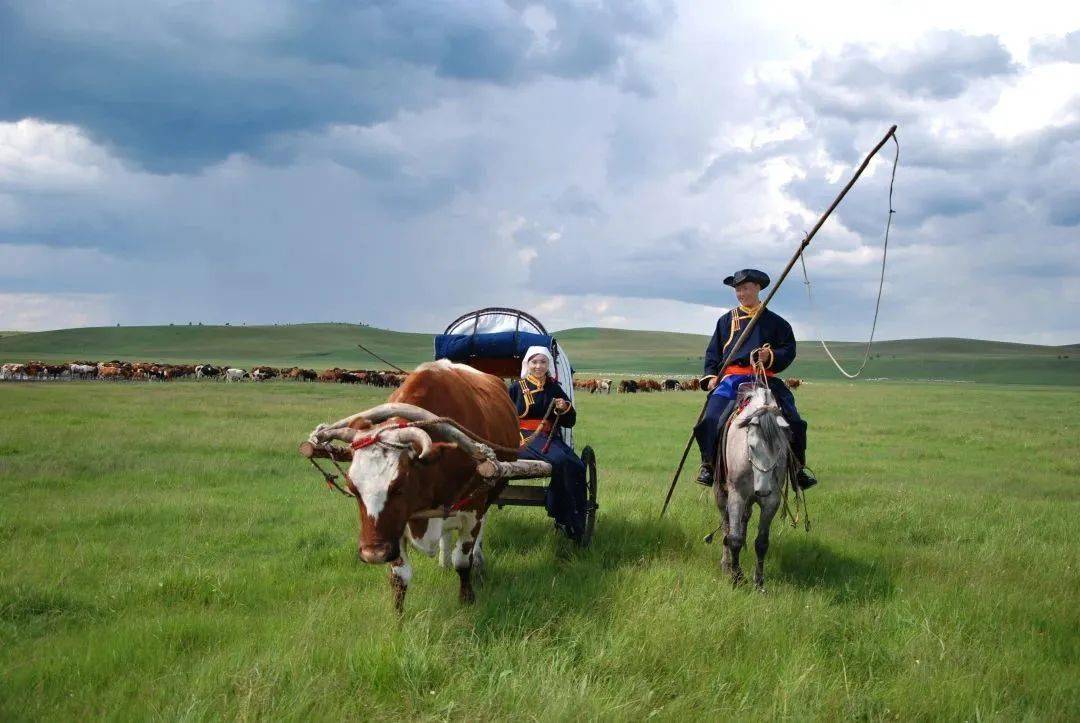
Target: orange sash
(532, 425)
(741, 369)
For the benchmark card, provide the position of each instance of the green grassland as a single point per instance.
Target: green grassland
(593, 351)
(166, 554)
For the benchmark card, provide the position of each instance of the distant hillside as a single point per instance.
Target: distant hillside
(308, 345)
(592, 350)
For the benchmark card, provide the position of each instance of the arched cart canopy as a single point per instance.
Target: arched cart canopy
(495, 339)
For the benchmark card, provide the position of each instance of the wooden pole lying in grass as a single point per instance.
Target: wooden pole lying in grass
(757, 314)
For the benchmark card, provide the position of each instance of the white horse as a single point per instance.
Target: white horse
(756, 454)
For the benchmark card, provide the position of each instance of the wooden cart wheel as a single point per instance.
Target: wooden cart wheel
(589, 458)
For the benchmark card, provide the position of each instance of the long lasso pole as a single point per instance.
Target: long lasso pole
(761, 307)
(389, 364)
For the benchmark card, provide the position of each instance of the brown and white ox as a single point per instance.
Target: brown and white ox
(410, 470)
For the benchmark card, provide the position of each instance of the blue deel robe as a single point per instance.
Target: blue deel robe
(565, 499)
(771, 329)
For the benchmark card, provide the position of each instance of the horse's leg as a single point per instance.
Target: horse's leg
(720, 491)
(769, 506)
(736, 535)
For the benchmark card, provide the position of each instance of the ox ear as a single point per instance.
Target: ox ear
(436, 452)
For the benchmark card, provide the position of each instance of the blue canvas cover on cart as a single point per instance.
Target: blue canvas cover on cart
(497, 345)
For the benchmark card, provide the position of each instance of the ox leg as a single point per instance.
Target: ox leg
(463, 558)
(400, 576)
(736, 535)
(769, 506)
(446, 549)
(478, 552)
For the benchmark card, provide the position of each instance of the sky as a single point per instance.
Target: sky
(595, 163)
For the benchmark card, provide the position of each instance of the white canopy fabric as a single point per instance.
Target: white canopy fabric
(491, 321)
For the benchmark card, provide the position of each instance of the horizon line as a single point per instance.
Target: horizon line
(553, 333)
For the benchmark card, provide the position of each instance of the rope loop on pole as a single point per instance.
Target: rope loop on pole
(881, 284)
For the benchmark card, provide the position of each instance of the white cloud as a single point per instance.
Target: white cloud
(37, 312)
(1036, 100)
(40, 156)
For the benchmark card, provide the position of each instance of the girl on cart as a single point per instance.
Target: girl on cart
(543, 408)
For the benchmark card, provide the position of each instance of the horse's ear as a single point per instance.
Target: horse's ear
(781, 421)
(743, 419)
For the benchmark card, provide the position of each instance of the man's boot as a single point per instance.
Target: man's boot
(805, 479)
(705, 475)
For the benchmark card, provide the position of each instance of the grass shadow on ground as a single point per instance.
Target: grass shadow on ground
(807, 563)
(539, 574)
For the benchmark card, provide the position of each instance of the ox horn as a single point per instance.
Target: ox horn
(413, 413)
(414, 436)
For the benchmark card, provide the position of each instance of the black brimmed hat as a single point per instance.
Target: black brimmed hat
(758, 277)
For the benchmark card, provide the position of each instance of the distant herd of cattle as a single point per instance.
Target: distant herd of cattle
(632, 386)
(117, 370)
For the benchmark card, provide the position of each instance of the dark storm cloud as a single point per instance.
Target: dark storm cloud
(176, 88)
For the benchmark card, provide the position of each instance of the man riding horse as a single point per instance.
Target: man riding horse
(772, 343)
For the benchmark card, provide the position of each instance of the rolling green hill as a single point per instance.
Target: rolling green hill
(593, 350)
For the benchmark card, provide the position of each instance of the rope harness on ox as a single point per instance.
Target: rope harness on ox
(361, 443)
(480, 486)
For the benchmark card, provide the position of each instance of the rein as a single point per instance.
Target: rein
(331, 479)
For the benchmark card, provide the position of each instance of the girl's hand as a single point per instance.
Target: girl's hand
(561, 405)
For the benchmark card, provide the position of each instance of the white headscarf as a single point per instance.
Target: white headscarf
(533, 351)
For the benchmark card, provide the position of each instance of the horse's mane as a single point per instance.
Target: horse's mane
(772, 433)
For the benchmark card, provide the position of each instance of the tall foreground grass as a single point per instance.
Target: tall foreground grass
(165, 553)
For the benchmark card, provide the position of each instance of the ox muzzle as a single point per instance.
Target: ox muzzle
(378, 553)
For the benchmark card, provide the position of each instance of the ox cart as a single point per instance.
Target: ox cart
(493, 340)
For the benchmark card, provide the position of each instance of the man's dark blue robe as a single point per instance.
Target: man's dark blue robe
(770, 329)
